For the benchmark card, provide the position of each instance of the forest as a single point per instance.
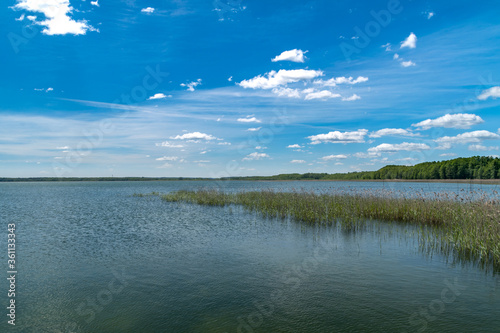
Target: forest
(476, 167)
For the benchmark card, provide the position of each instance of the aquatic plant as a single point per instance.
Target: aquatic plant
(468, 226)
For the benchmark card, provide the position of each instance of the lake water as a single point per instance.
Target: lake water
(93, 258)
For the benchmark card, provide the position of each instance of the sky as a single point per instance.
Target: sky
(189, 88)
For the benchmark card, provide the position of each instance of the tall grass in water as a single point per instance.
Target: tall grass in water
(468, 227)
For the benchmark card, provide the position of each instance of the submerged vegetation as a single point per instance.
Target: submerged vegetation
(469, 228)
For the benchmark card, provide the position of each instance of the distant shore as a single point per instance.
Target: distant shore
(135, 179)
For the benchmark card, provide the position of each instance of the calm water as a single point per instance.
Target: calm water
(92, 258)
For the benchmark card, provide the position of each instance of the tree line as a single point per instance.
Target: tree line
(476, 167)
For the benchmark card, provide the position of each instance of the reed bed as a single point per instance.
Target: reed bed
(469, 227)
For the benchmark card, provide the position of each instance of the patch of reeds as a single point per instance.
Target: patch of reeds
(469, 228)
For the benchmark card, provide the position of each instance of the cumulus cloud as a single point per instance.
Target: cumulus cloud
(168, 145)
(323, 94)
(391, 131)
(493, 92)
(287, 92)
(410, 41)
(448, 155)
(468, 137)
(95, 3)
(159, 96)
(194, 136)
(249, 119)
(275, 79)
(148, 10)
(458, 120)
(255, 156)
(340, 80)
(430, 15)
(291, 55)
(339, 137)
(393, 148)
(334, 157)
(354, 97)
(191, 85)
(57, 17)
(295, 146)
(254, 129)
(408, 63)
(297, 161)
(479, 147)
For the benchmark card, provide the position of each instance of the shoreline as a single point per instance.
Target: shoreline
(457, 181)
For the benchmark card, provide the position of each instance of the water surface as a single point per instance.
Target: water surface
(93, 258)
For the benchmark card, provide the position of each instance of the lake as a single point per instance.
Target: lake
(93, 258)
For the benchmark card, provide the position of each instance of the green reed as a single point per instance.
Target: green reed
(468, 227)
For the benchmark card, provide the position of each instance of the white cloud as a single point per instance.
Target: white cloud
(410, 41)
(282, 77)
(458, 120)
(323, 94)
(296, 146)
(249, 120)
(479, 147)
(224, 143)
(191, 85)
(254, 129)
(194, 136)
(297, 161)
(430, 15)
(63, 148)
(387, 46)
(43, 89)
(159, 96)
(287, 92)
(292, 55)
(493, 92)
(20, 18)
(448, 155)
(340, 80)
(168, 158)
(334, 157)
(340, 137)
(366, 155)
(468, 137)
(391, 131)
(392, 148)
(230, 78)
(255, 156)
(408, 63)
(57, 20)
(95, 3)
(31, 17)
(166, 165)
(354, 97)
(396, 56)
(168, 145)
(148, 10)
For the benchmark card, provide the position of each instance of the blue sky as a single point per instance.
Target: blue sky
(233, 88)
